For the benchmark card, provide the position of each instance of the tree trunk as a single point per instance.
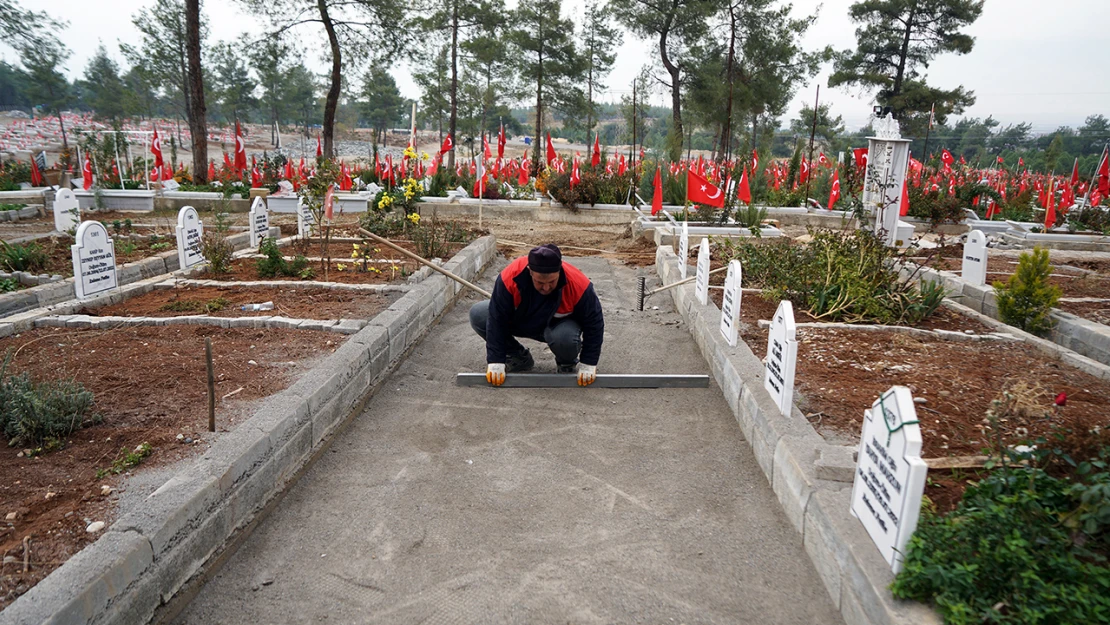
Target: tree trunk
(454, 81)
(197, 124)
(675, 149)
(902, 54)
(539, 113)
(726, 130)
(332, 101)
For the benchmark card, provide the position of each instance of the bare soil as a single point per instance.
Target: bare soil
(295, 303)
(149, 385)
(246, 270)
(59, 258)
(841, 372)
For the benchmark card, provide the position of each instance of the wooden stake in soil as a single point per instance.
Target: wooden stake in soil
(26, 553)
(211, 385)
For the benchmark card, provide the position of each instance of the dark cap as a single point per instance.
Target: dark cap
(545, 259)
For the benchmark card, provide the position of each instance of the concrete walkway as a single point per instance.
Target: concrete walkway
(443, 504)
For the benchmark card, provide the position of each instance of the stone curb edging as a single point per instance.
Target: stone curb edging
(1072, 336)
(145, 557)
(291, 284)
(54, 292)
(940, 335)
(798, 463)
(339, 326)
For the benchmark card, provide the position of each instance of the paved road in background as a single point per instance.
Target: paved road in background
(442, 504)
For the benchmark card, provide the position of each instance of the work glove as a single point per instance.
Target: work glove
(495, 373)
(586, 374)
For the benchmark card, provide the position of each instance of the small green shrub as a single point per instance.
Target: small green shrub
(158, 247)
(274, 263)
(22, 257)
(42, 414)
(11, 207)
(845, 276)
(751, 217)
(215, 247)
(7, 285)
(128, 247)
(1027, 298)
(126, 460)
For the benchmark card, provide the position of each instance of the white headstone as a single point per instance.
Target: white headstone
(730, 303)
(190, 231)
(67, 211)
(782, 357)
(94, 260)
(259, 221)
(975, 258)
(888, 159)
(701, 284)
(305, 220)
(683, 249)
(890, 474)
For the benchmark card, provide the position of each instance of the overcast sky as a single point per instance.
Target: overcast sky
(1033, 61)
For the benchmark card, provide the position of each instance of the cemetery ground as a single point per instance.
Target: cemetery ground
(149, 385)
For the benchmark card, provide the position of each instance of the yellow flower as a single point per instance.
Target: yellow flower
(340, 266)
(414, 218)
(355, 245)
(408, 194)
(354, 253)
(409, 152)
(375, 270)
(395, 268)
(424, 156)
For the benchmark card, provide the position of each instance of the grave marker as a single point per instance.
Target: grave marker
(701, 283)
(887, 162)
(259, 220)
(94, 260)
(890, 474)
(782, 357)
(190, 231)
(683, 249)
(67, 211)
(730, 303)
(974, 269)
(305, 220)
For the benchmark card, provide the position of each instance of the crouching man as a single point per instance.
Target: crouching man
(542, 298)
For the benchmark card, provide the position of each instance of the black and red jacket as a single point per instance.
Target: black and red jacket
(518, 309)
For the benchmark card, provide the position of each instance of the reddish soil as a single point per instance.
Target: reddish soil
(344, 249)
(1099, 312)
(59, 259)
(841, 372)
(636, 252)
(149, 385)
(295, 303)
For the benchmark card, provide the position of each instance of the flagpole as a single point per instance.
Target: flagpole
(812, 134)
(146, 169)
(1094, 176)
(928, 129)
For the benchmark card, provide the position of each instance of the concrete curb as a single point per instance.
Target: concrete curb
(144, 558)
(796, 461)
(127, 273)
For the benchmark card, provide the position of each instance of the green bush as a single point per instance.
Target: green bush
(845, 276)
(215, 247)
(274, 263)
(1026, 299)
(1023, 547)
(22, 257)
(42, 414)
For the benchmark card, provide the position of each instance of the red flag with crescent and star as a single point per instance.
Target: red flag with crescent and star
(701, 191)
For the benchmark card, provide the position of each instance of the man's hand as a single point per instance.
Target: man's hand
(495, 373)
(586, 374)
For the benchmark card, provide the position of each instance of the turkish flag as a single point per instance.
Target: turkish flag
(447, 146)
(575, 177)
(904, 208)
(861, 156)
(1075, 172)
(1104, 174)
(212, 168)
(87, 173)
(550, 151)
(621, 168)
(805, 171)
(485, 146)
(596, 158)
(156, 149)
(657, 196)
(522, 175)
(822, 159)
(946, 158)
(755, 161)
(744, 190)
(240, 150)
(36, 175)
(501, 143)
(701, 191)
(329, 202)
(1050, 208)
(434, 166)
(834, 195)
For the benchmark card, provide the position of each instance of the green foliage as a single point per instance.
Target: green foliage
(11, 207)
(596, 187)
(215, 247)
(1027, 544)
(274, 264)
(382, 223)
(192, 305)
(1089, 218)
(7, 285)
(1027, 298)
(22, 257)
(128, 247)
(126, 460)
(845, 276)
(433, 239)
(42, 413)
(751, 217)
(937, 207)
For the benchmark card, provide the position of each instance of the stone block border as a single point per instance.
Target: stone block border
(27, 212)
(803, 471)
(144, 558)
(59, 291)
(1073, 333)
